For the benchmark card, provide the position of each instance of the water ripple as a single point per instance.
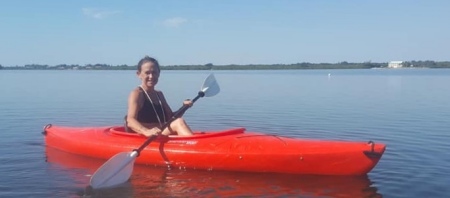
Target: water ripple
(405, 109)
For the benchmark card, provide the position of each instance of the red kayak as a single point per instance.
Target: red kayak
(233, 150)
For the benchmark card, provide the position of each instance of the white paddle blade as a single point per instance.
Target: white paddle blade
(115, 171)
(210, 86)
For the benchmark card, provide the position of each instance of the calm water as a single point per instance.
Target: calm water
(407, 109)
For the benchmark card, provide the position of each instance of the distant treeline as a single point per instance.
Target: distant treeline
(209, 66)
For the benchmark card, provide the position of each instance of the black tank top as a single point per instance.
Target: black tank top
(147, 114)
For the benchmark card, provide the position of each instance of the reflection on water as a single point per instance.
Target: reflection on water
(148, 181)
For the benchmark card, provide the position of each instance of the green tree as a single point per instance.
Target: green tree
(406, 64)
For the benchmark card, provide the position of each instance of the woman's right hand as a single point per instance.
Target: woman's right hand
(152, 131)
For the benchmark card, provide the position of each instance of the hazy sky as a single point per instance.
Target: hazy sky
(222, 32)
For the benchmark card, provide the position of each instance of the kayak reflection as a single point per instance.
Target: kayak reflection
(150, 181)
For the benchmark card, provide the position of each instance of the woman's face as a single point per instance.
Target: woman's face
(149, 74)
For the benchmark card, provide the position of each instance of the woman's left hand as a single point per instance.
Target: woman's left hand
(188, 102)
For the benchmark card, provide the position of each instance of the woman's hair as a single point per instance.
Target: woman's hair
(145, 60)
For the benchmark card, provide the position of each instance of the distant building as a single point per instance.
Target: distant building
(395, 64)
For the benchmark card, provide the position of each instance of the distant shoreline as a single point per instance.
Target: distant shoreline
(209, 66)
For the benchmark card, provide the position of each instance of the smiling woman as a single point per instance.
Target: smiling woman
(148, 109)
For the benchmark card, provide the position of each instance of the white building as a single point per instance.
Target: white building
(395, 64)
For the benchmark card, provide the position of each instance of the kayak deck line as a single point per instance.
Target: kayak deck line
(232, 150)
(267, 135)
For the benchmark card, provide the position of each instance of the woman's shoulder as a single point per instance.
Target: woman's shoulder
(136, 92)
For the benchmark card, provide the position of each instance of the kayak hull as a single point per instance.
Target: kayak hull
(232, 150)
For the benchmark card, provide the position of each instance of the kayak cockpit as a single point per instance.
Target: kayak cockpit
(120, 131)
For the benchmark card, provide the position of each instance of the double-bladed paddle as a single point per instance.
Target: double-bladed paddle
(118, 169)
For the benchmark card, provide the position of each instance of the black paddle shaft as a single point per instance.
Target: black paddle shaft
(175, 116)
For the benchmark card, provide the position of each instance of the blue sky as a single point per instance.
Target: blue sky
(222, 32)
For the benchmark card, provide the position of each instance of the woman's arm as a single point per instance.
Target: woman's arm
(168, 110)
